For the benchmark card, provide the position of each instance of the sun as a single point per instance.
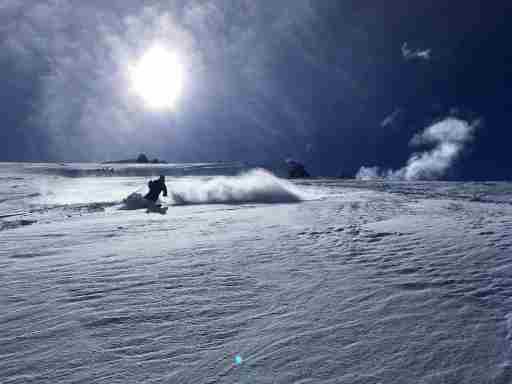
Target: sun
(158, 77)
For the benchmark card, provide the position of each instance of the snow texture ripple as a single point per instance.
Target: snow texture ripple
(375, 282)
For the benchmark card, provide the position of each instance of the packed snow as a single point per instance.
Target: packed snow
(249, 278)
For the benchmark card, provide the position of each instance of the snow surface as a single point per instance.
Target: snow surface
(251, 279)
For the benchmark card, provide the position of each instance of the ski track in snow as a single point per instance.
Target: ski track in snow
(364, 284)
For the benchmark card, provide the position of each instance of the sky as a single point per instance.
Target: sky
(335, 84)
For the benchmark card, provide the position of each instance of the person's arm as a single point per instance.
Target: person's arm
(164, 189)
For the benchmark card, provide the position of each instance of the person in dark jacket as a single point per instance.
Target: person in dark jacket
(155, 187)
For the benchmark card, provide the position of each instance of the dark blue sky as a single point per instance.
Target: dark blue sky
(311, 80)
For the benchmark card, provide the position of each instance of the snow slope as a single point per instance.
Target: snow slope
(336, 282)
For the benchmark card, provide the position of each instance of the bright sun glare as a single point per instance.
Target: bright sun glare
(158, 77)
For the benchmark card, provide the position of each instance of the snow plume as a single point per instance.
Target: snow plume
(449, 137)
(256, 186)
(369, 173)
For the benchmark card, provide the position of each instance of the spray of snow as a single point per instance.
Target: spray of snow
(135, 200)
(256, 186)
(449, 138)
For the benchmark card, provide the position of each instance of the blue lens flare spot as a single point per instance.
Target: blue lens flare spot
(238, 360)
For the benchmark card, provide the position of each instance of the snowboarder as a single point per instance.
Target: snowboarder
(155, 187)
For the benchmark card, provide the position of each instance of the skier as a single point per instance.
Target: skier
(155, 187)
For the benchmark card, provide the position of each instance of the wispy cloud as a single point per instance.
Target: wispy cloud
(411, 54)
(393, 118)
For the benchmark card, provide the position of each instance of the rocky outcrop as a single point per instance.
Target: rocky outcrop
(296, 170)
(141, 159)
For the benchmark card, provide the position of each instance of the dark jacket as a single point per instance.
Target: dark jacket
(155, 187)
